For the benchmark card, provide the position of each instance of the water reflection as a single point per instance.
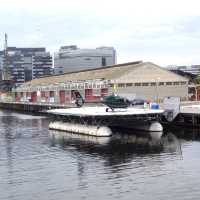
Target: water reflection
(171, 143)
(186, 133)
(70, 166)
(118, 148)
(15, 129)
(8, 142)
(122, 155)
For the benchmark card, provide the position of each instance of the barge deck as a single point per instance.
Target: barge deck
(131, 118)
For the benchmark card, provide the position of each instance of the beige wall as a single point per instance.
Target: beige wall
(154, 92)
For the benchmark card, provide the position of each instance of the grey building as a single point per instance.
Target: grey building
(41, 65)
(22, 63)
(1, 64)
(191, 69)
(16, 68)
(71, 58)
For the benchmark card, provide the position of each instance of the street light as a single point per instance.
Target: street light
(157, 81)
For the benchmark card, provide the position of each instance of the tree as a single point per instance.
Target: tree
(197, 80)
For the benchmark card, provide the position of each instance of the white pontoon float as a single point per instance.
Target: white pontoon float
(99, 120)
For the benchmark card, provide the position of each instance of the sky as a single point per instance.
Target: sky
(164, 32)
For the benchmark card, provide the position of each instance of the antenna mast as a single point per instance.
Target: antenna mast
(6, 74)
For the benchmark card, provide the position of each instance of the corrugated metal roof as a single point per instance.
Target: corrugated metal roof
(149, 72)
(127, 72)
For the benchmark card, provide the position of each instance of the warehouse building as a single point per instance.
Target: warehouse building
(136, 79)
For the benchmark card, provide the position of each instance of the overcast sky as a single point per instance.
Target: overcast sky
(164, 32)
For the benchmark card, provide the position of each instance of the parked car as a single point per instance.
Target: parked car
(137, 102)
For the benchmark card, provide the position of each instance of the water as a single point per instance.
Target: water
(38, 164)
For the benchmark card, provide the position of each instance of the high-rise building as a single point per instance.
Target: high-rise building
(23, 62)
(16, 69)
(71, 58)
(41, 65)
(1, 64)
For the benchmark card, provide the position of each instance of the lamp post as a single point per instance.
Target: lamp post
(157, 82)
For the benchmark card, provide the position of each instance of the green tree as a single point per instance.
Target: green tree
(197, 80)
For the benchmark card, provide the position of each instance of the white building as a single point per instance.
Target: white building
(71, 58)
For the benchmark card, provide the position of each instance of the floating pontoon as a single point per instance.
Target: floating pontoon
(99, 120)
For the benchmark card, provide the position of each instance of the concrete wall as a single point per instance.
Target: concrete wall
(154, 93)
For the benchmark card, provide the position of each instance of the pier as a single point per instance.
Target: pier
(30, 107)
(188, 115)
(179, 113)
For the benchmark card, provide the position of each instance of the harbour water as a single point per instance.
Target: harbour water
(38, 164)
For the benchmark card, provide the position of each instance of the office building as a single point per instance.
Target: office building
(24, 64)
(71, 58)
(41, 65)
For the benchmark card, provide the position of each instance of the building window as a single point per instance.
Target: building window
(89, 85)
(183, 83)
(104, 92)
(153, 84)
(137, 84)
(86, 85)
(94, 85)
(129, 84)
(175, 83)
(103, 61)
(145, 84)
(121, 85)
(111, 85)
(87, 58)
(168, 83)
(161, 83)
